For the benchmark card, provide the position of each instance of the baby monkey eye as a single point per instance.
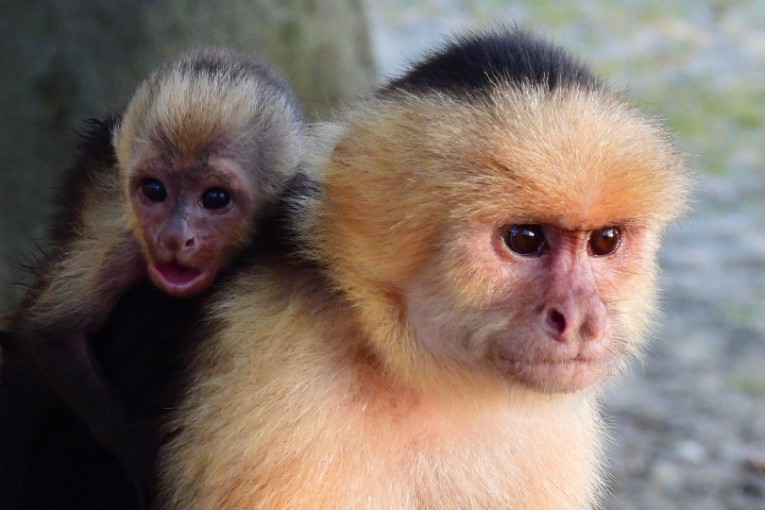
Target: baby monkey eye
(215, 198)
(605, 241)
(154, 190)
(528, 240)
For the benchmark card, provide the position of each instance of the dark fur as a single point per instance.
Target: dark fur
(470, 64)
(48, 459)
(95, 156)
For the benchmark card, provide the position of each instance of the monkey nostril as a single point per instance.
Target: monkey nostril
(556, 321)
(189, 243)
(170, 243)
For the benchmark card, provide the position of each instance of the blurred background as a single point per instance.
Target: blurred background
(689, 422)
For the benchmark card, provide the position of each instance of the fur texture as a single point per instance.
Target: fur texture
(364, 374)
(215, 103)
(211, 117)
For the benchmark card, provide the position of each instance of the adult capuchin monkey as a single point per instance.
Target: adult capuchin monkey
(172, 192)
(481, 258)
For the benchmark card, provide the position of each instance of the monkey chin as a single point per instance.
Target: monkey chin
(560, 376)
(179, 280)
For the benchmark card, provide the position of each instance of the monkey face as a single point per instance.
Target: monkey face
(191, 220)
(205, 146)
(520, 232)
(552, 308)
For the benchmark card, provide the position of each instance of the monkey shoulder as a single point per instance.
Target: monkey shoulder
(92, 178)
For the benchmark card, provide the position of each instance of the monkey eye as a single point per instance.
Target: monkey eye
(528, 240)
(215, 198)
(605, 241)
(154, 190)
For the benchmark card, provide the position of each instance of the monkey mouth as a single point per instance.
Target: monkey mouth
(178, 279)
(558, 376)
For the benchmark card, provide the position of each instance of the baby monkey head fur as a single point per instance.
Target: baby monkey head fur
(205, 148)
(496, 213)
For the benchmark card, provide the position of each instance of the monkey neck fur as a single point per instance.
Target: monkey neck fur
(355, 436)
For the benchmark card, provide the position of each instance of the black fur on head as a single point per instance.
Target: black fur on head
(473, 64)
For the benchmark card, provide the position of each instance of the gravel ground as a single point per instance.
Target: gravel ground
(688, 425)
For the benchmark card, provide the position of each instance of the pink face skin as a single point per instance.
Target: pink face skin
(571, 345)
(545, 309)
(192, 220)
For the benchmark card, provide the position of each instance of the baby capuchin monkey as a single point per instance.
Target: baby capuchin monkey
(481, 258)
(200, 157)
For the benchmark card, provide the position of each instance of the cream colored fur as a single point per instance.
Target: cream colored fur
(288, 412)
(315, 393)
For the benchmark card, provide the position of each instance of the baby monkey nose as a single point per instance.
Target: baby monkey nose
(178, 241)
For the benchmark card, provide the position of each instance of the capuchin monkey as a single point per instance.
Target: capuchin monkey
(482, 257)
(171, 193)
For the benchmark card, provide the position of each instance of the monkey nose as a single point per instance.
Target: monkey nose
(170, 242)
(593, 326)
(556, 321)
(575, 321)
(176, 243)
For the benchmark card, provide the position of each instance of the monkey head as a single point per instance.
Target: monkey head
(192, 217)
(507, 229)
(205, 147)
